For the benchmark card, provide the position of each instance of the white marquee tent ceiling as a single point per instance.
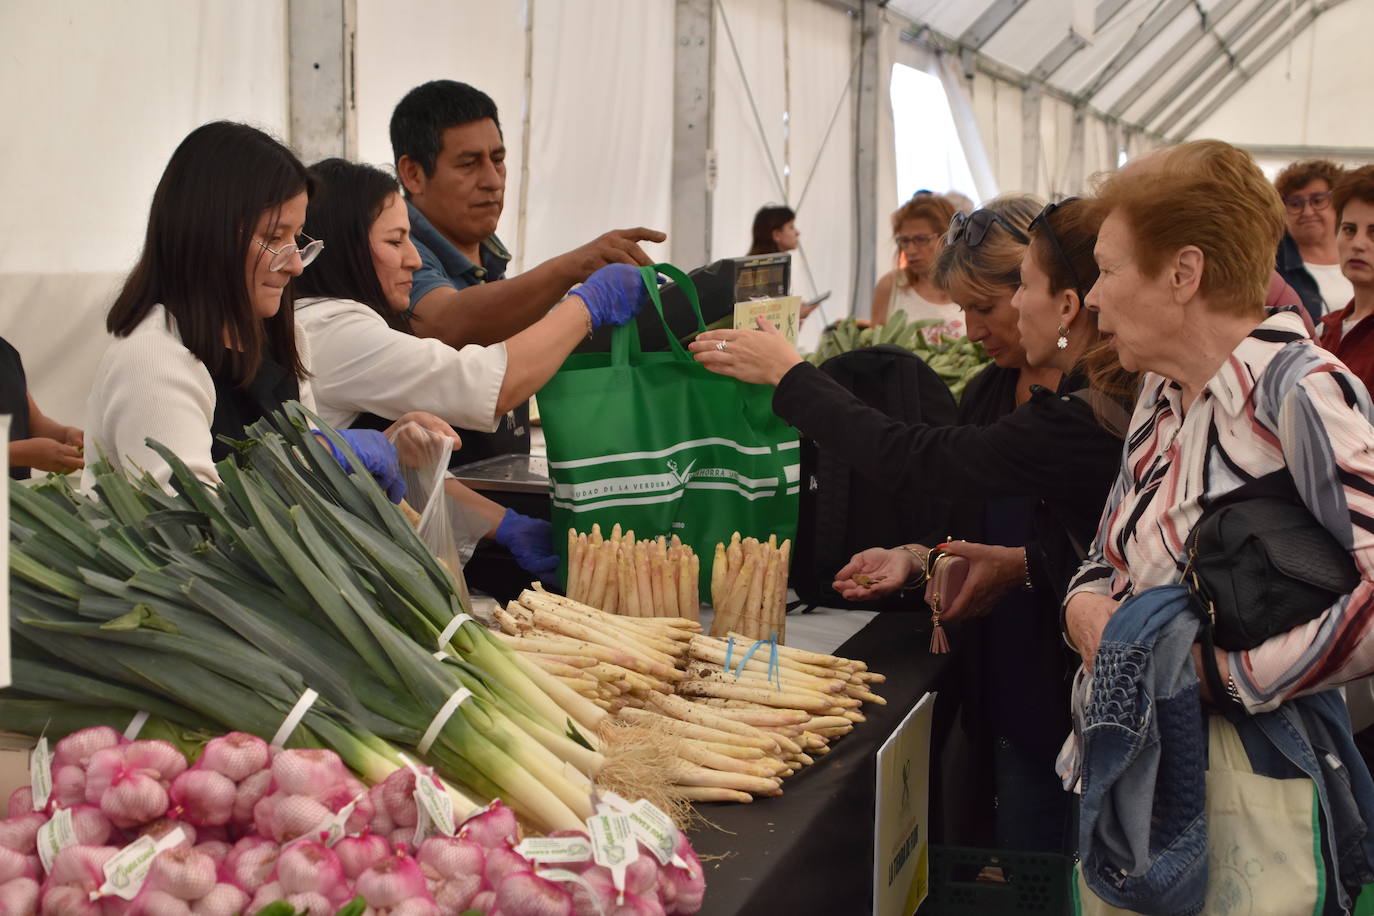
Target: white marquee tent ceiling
(1163, 65)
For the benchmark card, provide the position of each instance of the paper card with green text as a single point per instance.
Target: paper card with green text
(784, 312)
(901, 842)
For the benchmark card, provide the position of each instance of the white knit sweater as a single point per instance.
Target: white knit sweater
(361, 365)
(149, 386)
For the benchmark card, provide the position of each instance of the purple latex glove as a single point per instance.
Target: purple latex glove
(530, 540)
(378, 457)
(613, 294)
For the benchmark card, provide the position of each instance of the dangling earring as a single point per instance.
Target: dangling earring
(1062, 343)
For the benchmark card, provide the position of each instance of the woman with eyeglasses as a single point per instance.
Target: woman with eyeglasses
(204, 339)
(1030, 466)
(1307, 258)
(918, 229)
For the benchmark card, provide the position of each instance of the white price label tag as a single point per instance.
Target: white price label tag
(127, 869)
(435, 803)
(40, 774)
(56, 835)
(613, 847)
(655, 830)
(336, 828)
(556, 850)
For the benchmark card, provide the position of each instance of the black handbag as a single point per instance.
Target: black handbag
(1260, 564)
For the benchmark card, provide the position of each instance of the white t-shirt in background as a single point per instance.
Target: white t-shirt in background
(1335, 288)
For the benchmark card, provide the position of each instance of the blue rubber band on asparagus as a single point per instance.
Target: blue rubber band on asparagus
(739, 669)
(774, 671)
(729, 651)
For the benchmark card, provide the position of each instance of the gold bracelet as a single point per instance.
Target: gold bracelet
(921, 575)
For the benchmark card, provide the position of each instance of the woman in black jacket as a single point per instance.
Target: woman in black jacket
(1030, 466)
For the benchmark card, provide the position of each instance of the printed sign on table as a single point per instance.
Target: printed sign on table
(901, 843)
(784, 312)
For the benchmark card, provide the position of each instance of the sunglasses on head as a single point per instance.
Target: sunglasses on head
(1042, 222)
(973, 228)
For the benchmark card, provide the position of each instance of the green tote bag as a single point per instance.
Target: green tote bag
(663, 446)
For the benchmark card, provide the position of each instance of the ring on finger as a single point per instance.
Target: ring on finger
(720, 345)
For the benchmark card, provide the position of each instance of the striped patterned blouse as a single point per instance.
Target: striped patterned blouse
(1277, 398)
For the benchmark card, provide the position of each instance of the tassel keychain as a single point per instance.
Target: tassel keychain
(939, 642)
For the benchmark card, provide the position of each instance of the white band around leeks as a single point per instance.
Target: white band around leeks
(293, 718)
(453, 625)
(136, 725)
(442, 716)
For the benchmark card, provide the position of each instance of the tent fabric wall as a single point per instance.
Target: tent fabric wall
(585, 92)
(100, 95)
(796, 59)
(1306, 94)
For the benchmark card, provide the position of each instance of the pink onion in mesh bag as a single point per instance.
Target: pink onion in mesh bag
(21, 800)
(450, 857)
(78, 747)
(527, 894)
(359, 853)
(21, 833)
(19, 897)
(223, 900)
(307, 771)
(503, 861)
(312, 868)
(183, 873)
(158, 759)
(251, 862)
(236, 755)
(203, 797)
(392, 881)
(492, 828)
(246, 796)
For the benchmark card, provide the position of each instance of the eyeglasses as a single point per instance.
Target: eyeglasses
(1043, 222)
(1319, 200)
(973, 228)
(923, 240)
(282, 256)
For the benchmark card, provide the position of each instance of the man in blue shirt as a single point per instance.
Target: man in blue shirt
(451, 159)
(446, 139)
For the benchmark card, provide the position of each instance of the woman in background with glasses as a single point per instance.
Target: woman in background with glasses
(1307, 258)
(918, 229)
(1030, 467)
(205, 342)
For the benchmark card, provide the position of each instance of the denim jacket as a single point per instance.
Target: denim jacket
(1143, 750)
(1143, 760)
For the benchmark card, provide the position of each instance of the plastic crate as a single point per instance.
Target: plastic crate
(1036, 883)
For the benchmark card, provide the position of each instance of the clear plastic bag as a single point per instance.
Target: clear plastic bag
(448, 528)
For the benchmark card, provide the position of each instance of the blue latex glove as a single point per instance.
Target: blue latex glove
(613, 294)
(378, 456)
(530, 540)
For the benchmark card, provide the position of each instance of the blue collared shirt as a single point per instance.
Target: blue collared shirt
(442, 264)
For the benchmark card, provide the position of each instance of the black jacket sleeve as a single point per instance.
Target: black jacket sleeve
(1050, 447)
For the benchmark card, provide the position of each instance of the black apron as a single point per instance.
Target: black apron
(14, 399)
(237, 408)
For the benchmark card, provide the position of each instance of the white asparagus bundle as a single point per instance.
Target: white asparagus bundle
(633, 577)
(749, 587)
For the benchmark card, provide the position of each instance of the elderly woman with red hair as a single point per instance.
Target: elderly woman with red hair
(1230, 394)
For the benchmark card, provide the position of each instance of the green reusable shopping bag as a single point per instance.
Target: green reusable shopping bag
(663, 446)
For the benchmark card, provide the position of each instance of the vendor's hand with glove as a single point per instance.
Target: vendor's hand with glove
(878, 572)
(530, 540)
(613, 295)
(377, 455)
(759, 357)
